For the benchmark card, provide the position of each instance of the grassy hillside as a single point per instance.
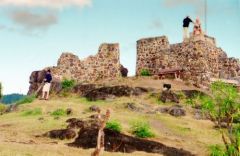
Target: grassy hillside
(18, 129)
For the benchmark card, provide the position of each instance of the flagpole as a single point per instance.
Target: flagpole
(205, 12)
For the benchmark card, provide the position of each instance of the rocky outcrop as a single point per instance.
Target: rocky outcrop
(103, 93)
(61, 134)
(36, 80)
(175, 110)
(118, 142)
(169, 96)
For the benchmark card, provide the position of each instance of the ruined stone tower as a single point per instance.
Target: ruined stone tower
(152, 53)
(200, 59)
(105, 64)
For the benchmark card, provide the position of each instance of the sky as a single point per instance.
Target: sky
(34, 33)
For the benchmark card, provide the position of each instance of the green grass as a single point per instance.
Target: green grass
(59, 112)
(155, 98)
(141, 129)
(114, 125)
(216, 150)
(33, 112)
(26, 100)
(183, 129)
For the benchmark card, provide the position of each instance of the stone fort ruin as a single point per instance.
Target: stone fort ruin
(199, 58)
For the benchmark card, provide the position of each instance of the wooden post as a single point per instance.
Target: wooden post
(100, 138)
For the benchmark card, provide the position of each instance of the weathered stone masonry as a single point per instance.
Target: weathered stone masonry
(105, 64)
(200, 59)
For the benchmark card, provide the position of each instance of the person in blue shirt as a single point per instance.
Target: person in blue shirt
(47, 85)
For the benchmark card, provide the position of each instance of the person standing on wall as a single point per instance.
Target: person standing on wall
(47, 85)
(186, 21)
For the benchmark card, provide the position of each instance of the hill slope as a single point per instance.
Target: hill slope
(19, 129)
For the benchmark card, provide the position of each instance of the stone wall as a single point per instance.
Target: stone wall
(200, 59)
(105, 64)
(152, 54)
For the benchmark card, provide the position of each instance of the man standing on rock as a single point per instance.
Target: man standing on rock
(47, 85)
(186, 22)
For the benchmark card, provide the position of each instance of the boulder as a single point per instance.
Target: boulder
(103, 93)
(169, 96)
(61, 134)
(133, 107)
(36, 79)
(83, 89)
(94, 108)
(176, 111)
(124, 71)
(75, 123)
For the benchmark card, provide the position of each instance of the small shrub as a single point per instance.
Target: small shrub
(196, 100)
(2, 108)
(114, 125)
(181, 95)
(236, 118)
(26, 99)
(216, 150)
(34, 112)
(222, 106)
(67, 84)
(145, 72)
(141, 129)
(59, 112)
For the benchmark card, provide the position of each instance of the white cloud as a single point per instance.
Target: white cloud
(55, 4)
(33, 21)
(26, 16)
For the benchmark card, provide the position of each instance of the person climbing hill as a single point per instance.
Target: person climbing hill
(47, 85)
(186, 21)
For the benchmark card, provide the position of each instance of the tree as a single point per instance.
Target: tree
(222, 106)
(0, 90)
